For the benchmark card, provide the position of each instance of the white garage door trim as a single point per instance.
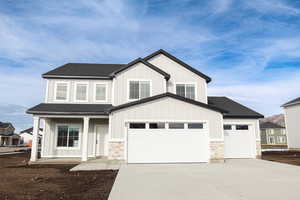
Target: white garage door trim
(205, 129)
(252, 141)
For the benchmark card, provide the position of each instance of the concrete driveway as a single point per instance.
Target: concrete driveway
(235, 179)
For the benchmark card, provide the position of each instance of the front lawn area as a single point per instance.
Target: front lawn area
(290, 157)
(20, 181)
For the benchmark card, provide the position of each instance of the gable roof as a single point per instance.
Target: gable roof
(270, 125)
(29, 130)
(140, 60)
(293, 102)
(161, 51)
(5, 125)
(152, 98)
(83, 70)
(235, 110)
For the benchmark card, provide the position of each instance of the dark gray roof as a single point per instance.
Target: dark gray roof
(166, 75)
(70, 109)
(269, 125)
(152, 98)
(161, 51)
(5, 124)
(235, 110)
(29, 130)
(294, 101)
(88, 70)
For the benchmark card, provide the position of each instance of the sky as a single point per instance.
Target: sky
(251, 49)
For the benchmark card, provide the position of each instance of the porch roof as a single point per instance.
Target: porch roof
(70, 109)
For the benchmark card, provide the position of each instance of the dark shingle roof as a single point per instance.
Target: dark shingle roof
(161, 51)
(294, 101)
(87, 70)
(70, 109)
(152, 98)
(270, 125)
(29, 130)
(235, 110)
(5, 124)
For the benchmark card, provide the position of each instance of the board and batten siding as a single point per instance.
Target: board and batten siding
(50, 97)
(179, 74)
(292, 119)
(137, 72)
(166, 109)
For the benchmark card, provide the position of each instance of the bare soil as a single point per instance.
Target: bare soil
(19, 181)
(289, 157)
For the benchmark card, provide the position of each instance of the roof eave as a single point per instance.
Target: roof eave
(76, 77)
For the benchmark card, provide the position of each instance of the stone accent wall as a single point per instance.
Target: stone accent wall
(258, 149)
(217, 150)
(116, 150)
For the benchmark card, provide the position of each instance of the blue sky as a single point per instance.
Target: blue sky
(251, 49)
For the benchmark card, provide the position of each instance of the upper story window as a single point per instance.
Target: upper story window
(186, 90)
(81, 92)
(61, 91)
(139, 89)
(100, 92)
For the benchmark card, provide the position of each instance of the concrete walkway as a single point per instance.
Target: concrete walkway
(233, 180)
(98, 164)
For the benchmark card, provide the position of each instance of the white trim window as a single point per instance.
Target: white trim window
(81, 92)
(271, 140)
(281, 139)
(61, 91)
(68, 136)
(139, 89)
(187, 90)
(100, 94)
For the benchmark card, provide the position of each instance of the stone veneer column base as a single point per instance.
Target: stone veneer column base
(217, 151)
(116, 150)
(258, 149)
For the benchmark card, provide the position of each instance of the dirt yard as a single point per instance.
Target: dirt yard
(290, 157)
(18, 181)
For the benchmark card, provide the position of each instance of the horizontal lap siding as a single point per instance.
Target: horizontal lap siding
(292, 114)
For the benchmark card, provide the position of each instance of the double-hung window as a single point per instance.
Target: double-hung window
(186, 90)
(61, 91)
(139, 89)
(100, 92)
(81, 92)
(67, 136)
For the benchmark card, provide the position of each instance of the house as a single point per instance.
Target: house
(152, 110)
(7, 135)
(292, 116)
(26, 136)
(272, 135)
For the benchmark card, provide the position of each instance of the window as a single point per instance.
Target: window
(176, 125)
(137, 125)
(227, 127)
(241, 127)
(81, 92)
(61, 93)
(67, 136)
(186, 90)
(281, 139)
(139, 89)
(195, 126)
(158, 125)
(271, 140)
(100, 92)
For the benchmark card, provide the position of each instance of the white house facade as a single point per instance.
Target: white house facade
(151, 110)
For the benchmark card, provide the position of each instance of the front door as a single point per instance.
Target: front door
(101, 139)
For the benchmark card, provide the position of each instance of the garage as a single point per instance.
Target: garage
(167, 142)
(239, 141)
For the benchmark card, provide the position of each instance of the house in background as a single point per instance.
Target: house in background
(26, 136)
(292, 121)
(7, 135)
(273, 136)
(151, 110)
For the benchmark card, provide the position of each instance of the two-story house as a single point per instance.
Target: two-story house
(151, 110)
(7, 135)
(272, 135)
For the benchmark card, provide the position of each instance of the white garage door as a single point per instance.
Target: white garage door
(160, 142)
(239, 141)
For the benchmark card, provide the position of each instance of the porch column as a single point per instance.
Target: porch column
(85, 134)
(35, 134)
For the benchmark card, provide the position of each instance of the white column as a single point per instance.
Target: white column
(84, 156)
(35, 134)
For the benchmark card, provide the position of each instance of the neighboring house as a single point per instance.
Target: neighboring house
(292, 123)
(26, 136)
(151, 110)
(7, 135)
(272, 136)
